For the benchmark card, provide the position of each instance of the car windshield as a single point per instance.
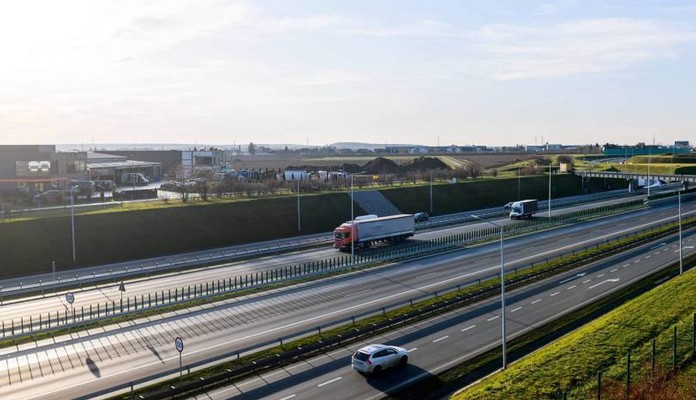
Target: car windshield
(339, 235)
(361, 356)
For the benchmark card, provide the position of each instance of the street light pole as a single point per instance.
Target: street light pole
(72, 219)
(549, 191)
(352, 224)
(519, 175)
(299, 225)
(502, 287)
(681, 263)
(431, 191)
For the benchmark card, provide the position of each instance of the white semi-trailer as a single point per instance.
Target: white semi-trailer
(365, 230)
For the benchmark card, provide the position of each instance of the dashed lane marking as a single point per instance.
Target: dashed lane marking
(468, 327)
(442, 338)
(327, 382)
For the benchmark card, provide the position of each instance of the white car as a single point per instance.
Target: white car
(375, 358)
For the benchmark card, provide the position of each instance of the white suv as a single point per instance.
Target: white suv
(375, 358)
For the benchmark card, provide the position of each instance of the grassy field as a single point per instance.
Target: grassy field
(573, 361)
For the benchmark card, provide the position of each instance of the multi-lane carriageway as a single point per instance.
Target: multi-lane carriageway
(88, 361)
(49, 301)
(448, 340)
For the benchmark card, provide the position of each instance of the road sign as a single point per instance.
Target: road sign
(122, 287)
(179, 343)
(70, 297)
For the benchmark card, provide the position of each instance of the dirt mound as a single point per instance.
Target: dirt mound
(381, 165)
(425, 164)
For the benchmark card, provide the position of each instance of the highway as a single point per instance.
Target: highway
(174, 262)
(108, 292)
(91, 294)
(448, 340)
(85, 362)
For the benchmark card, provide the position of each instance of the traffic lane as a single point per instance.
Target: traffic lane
(532, 309)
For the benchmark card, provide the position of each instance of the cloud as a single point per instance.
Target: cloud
(576, 47)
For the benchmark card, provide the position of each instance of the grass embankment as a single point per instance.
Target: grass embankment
(573, 361)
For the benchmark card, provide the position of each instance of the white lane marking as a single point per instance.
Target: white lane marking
(636, 261)
(513, 310)
(586, 281)
(288, 397)
(331, 381)
(600, 275)
(604, 281)
(614, 270)
(659, 245)
(553, 294)
(573, 277)
(468, 327)
(688, 247)
(572, 287)
(625, 265)
(442, 338)
(412, 350)
(491, 319)
(536, 301)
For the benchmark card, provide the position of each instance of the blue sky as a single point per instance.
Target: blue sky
(426, 72)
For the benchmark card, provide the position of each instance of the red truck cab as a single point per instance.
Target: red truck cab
(342, 236)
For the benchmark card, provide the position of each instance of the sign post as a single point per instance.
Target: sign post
(70, 298)
(179, 343)
(121, 288)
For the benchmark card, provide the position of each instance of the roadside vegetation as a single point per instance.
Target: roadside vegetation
(571, 363)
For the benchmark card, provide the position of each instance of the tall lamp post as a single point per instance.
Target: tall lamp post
(352, 224)
(681, 262)
(431, 191)
(72, 218)
(299, 223)
(502, 286)
(550, 171)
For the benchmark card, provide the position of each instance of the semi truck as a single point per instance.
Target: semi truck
(522, 209)
(368, 229)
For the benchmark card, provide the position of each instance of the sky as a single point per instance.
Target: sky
(319, 72)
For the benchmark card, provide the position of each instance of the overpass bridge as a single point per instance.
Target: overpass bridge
(633, 176)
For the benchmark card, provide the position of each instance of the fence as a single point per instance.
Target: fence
(644, 368)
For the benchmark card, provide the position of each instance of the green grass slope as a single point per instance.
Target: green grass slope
(573, 361)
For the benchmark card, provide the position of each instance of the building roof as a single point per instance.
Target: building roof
(122, 164)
